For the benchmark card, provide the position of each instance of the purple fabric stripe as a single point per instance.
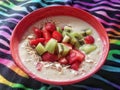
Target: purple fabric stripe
(6, 27)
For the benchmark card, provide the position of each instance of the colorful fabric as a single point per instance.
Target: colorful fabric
(106, 11)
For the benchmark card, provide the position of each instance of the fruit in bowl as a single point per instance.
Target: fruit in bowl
(59, 47)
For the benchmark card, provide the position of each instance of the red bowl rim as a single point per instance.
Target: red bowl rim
(19, 63)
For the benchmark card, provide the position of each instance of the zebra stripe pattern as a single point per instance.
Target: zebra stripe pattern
(106, 11)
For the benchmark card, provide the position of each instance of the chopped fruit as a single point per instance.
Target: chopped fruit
(68, 45)
(49, 57)
(64, 33)
(88, 31)
(66, 38)
(40, 49)
(75, 65)
(66, 50)
(37, 32)
(61, 44)
(67, 28)
(60, 48)
(59, 29)
(63, 61)
(46, 35)
(35, 42)
(87, 48)
(63, 50)
(76, 35)
(89, 39)
(73, 41)
(39, 66)
(56, 35)
(51, 45)
(49, 26)
(75, 55)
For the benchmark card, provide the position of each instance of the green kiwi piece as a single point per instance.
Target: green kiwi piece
(51, 45)
(40, 49)
(88, 48)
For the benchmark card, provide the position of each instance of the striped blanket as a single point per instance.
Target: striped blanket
(106, 11)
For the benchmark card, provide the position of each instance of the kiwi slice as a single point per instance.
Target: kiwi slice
(68, 28)
(88, 48)
(76, 35)
(66, 38)
(51, 45)
(66, 49)
(59, 29)
(60, 48)
(40, 49)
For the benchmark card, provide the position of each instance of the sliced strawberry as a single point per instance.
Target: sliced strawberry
(39, 66)
(49, 57)
(46, 35)
(37, 32)
(57, 35)
(49, 26)
(63, 61)
(75, 55)
(89, 39)
(36, 41)
(75, 65)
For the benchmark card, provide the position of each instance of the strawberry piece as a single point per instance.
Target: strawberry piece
(37, 32)
(49, 57)
(89, 39)
(75, 55)
(39, 66)
(49, 26)
(36, 41)
(75, 65)
(63, 61)
(57, 35)
(46, 35)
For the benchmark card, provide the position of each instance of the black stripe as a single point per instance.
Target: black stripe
(4, 38)
(114, 27)
(107, 19)
(109, 76)
(96, 5)
(87, 1)
(116, 56)
(114, 37)
(114, 2)
(95, 1)
(115, 34)
(9, 24)
(5, 55)
(111, 63)
(6, 87)
(4, 47)
(114, 47)
(7, 31)
(95, 83)
(49, 3)
(8, 73)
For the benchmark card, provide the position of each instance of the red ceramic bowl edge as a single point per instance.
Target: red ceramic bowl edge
(17, 61)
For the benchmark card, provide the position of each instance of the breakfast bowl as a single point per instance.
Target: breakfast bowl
(59, 45)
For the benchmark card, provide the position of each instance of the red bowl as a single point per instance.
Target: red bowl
(41, 13)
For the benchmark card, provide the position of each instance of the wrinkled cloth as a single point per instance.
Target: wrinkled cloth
(106, 11)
